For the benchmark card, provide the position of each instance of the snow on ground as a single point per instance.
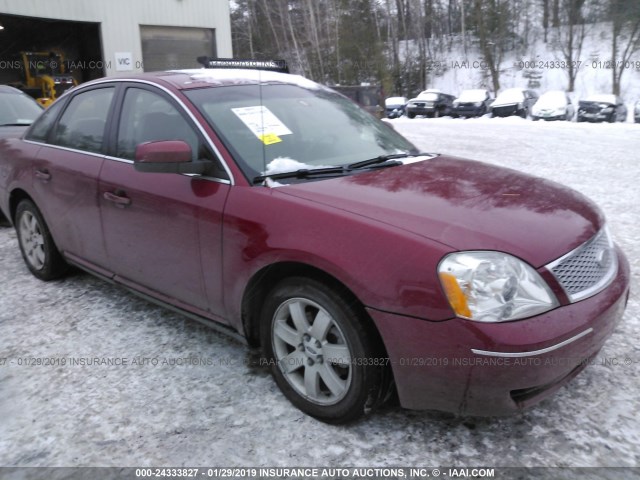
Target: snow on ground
(231, 413)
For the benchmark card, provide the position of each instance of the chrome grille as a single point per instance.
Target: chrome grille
(587, 269)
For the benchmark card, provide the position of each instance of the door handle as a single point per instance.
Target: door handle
(43, 175)
(118, 197)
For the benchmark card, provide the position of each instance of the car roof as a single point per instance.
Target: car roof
(209, 77)
(8, 89)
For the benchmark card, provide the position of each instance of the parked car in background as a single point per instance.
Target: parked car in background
(17, 111)
(394, 106)
(514, 101)
(430, 103)
(636, 112)
(369, 97)
(602, 108)
(553, 105)
(275, 209)
(471, 103)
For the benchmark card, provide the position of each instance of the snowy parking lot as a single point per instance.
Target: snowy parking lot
(155, 405)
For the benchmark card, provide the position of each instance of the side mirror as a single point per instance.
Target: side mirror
(167, 156)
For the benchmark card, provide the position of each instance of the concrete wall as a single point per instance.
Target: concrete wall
(120, 21)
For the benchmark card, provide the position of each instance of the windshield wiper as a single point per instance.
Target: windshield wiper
(23, 124)
(379, 160)
(303, 173)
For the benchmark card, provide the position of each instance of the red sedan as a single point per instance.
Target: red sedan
(275, 209)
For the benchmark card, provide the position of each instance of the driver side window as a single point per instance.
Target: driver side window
(148, 117)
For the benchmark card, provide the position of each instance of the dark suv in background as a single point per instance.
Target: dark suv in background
(472, 103)
(430, 103)
(602, 108)
(514, 101)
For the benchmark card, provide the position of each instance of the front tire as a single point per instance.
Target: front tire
(323, 354)
(3, 221)
(36, 243)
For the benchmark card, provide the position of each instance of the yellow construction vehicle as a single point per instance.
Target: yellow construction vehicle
(45, 76)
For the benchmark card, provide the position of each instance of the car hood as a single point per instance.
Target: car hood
(587, 103)
(550, 106)
(466, 205)
(506, 103)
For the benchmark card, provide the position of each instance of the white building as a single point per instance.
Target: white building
(108, 37)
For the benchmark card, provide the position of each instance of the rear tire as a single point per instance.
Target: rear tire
(411, 115)
(38, 249)
(322, 354)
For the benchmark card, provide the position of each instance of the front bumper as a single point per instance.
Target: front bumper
(595, 116)
(549, 116)
(467, 111)
(394, 112)
(484, 369)
(506, 110)
(426, 110)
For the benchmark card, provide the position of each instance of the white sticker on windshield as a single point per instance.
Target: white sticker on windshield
(263, 123)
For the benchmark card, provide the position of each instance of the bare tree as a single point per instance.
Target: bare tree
(545, 18)
(493, 29)
(569, 37)
(625, 22)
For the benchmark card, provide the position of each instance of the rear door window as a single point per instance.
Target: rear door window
(82, 125)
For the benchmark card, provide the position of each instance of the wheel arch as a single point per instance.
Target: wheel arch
(263, 281)
(15, 198)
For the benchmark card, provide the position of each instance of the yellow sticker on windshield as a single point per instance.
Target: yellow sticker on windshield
(270, 138)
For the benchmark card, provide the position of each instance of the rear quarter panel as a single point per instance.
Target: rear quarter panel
(16, 157)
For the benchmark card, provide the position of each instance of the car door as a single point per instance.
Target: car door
(162, 231)
(570, 108)
(621, 114)
(530, 100)
(65, 172)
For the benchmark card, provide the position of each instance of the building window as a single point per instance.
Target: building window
(168, 48)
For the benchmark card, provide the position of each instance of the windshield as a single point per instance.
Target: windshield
(472, 96)
(393, 101)
(602, 98)
(281, 124)
(429, 96)
(17, 109)
(513, 95)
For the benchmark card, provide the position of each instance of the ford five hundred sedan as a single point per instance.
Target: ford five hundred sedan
(271, 207)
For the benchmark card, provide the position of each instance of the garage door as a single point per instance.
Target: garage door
(166, 48)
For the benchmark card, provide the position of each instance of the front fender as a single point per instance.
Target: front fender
(387, 268)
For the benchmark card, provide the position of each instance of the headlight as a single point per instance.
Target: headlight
(477, 104)
(456, 103)
(493, 287)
